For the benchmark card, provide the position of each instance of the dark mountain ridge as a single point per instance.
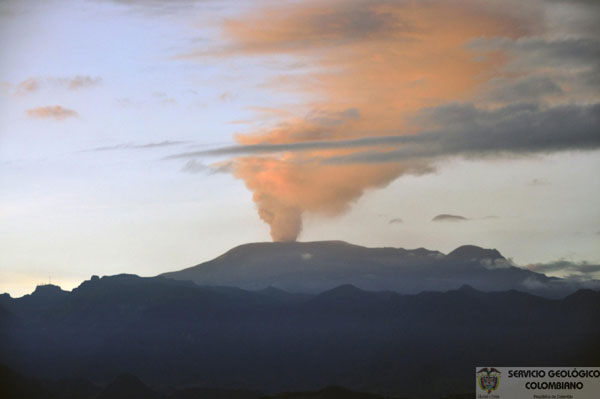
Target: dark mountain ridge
(177, 334)
(128, 386)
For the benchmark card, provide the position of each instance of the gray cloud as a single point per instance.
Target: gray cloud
(164, 98)
(463, 129)
(586, 12)
(515, 128)
(165, 3)
(193, 166)
(131, 146)
(458, 129)
(396, 221)
(538, 182)
(168, 7)
(564, 67)
(584, 2)
(298, 146)
(531, 88)
(222, 167)
(449, 218)
(543, 53)
(444, 217)
(566, 267)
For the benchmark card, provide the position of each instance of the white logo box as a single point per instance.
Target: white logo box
(537, 382)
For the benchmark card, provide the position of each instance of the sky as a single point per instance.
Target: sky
(145, 136)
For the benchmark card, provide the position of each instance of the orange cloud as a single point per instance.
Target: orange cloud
(28, 86)
(387, 59)
(378, 63)
(32, 85)
(51, 112)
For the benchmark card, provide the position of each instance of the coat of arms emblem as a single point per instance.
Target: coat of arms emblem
(488, 379)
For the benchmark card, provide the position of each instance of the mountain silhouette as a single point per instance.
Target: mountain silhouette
(128, 386)
(333, 392)
(179, 335)
(472, 252)
(312, 267)
(15, 386)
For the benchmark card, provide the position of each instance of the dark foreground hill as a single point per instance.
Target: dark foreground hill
(127, 386)
(177, 334)
(312, 267)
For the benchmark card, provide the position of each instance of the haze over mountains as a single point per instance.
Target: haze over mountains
(312, 267)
